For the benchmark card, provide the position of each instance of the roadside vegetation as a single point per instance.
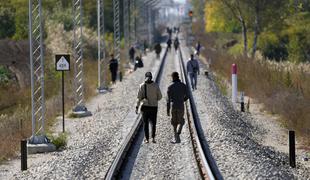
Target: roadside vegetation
(15, 107)
(270, 43)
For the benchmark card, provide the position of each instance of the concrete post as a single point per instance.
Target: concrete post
(234, 86)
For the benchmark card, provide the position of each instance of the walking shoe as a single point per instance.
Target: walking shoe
(146, 141)
(153, 140)
(173, 141)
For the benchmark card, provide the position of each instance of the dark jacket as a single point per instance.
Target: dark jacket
(177, 95)
(132, 52)
(113, 66)
(169, 42)
(157, 48)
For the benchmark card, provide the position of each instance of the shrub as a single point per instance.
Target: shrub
(283, 89)
(60, 141)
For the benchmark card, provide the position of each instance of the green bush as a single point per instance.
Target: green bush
(59, 141)
(64, 16)
(273, 47)
(5, 75)
(7, 24)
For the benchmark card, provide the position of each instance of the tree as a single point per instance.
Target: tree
(238, 10)
(21, 19)
(7, 23)
(219, 19)
(260, 18)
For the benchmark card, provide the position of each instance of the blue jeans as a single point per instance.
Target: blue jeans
(193, 78)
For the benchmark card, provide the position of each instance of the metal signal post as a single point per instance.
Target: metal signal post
(80, 109)
(102, 88)
(37, 71)
(117, 36)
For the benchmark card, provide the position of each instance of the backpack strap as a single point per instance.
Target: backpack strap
(145, 93)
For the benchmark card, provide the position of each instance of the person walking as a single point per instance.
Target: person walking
(144, 47)
(198, 47)
(176, 43)
(149, 94)
(169, 42)
(177, 94)
(192, 68)
(113, 67)
(132, 52)
(157, 50)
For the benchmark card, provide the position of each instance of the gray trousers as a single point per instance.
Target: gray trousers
(193, 79)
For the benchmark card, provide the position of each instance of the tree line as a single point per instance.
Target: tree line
(14, 16)
(279, 29)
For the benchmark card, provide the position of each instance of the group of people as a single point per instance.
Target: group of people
(149, 94)
(176, 43)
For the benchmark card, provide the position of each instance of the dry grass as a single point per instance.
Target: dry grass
(284, 90)
(15, 122)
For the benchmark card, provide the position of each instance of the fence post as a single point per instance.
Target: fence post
(242, 101)
(292, 149)
(23, 152)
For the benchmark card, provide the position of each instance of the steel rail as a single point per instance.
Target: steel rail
(205, 162)
(123, 152)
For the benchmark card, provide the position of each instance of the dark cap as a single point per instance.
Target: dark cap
(148, 74)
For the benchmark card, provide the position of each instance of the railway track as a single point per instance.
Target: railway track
(127, 148)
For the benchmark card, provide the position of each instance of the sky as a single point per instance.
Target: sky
(180, 1)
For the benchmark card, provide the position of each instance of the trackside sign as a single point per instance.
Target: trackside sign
(62, 62)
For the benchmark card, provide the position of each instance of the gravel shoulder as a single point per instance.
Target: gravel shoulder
(237, 140)
(93, 141)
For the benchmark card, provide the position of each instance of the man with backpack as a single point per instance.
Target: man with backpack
(177, 95)
(149, 94)
(192, 68)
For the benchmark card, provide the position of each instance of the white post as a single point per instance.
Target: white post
(234, 86)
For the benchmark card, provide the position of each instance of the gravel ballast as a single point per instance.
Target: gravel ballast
(93, 141)
(235, 142)
(163, 159)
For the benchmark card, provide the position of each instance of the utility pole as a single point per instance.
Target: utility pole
(80, 108)
(37, 72)
(117, 36)
(102, 88)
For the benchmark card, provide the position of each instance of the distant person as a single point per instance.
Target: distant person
(170, 32)
(144, 47)
(176, 43)
(132, 52)
(157, 50)
(198, 47)
(177, 94)
(138, 62)
(149, 94)
(192, 68)
(169, 42)
(113, 67)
